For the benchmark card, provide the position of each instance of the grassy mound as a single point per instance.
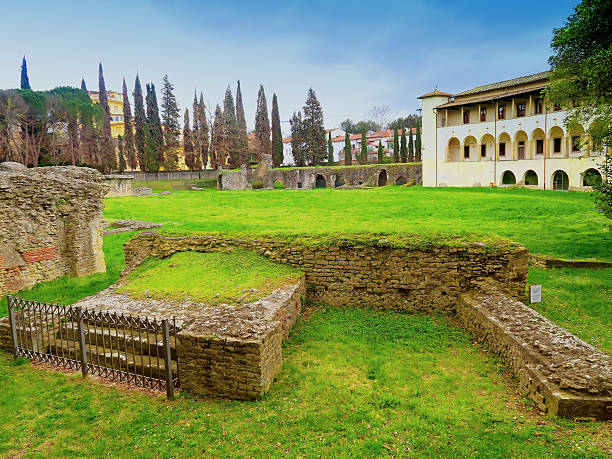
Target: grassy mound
(217, 277)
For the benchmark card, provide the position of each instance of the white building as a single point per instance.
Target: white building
(502, 134)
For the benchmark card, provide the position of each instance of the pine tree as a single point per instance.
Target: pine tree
(128, 140)
(188, 142)
(364, 148)
(403, 148)
(230, 124)
(277, 135)
(154, 150)
(83, 85)
(417, 143)
(348, 150)
(140, 120)
(330, 150)
(218, 152)
(410, 147)
(297, 144)
(25, 81)
(314, 132)
(109, 159)
(262, 126)
(381, 153)
(395, 146)
(121, 154)
(243, 141)
(170, 117)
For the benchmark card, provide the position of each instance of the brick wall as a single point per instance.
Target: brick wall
(50, 224)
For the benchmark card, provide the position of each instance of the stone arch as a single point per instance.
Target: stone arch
(339, 181)
(508, 178)
(576, 138)
(401, 180)
(488, 142)
(555, 143)
(591, 177)
(320, 182)
(454, 149)
(560, 180)
(382, 178)
(537, 142)
(469, 148)
(520, 145)
(530, 177)
(504, 152)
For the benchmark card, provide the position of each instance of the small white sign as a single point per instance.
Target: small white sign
(535, 293)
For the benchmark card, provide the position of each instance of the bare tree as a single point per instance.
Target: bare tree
(381, 114)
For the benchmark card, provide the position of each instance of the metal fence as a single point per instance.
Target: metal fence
(129, 349)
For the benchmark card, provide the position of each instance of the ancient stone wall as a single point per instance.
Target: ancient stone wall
(50, 224)
(561, 373)
(232, 179)
(371, 272)
(118, 185)
(347, 176)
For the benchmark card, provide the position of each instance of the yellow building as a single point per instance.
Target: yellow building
(115, 104)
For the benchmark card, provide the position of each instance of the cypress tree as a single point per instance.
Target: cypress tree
(243, 141)
(154, 150)
(25, 81)
(262, 126)
(204, 130)
(140, 120)
(348, 152)
(277, 135)
(297, 145)
(403, 149)
(121, 155)
(314, 133)
(380, 153)
(170, 116)
(330, 150)
(417, 143)
(109, 160)
(188, 142)
(395, 146)
(128, 140)
(230, 124)
(83, 85)
(218, 153)
(410, 147)
(364, 147)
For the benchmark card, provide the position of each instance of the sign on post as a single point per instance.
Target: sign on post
(535, 293)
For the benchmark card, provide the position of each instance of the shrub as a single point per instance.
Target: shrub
(257, 185)
(278, 185)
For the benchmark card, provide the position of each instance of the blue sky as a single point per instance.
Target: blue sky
(353, 54)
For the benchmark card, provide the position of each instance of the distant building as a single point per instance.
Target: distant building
(503, 134)
(115, 103)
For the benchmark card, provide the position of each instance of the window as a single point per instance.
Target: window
(466, 117)
(557, 107)
(483, 151)
(483, 114)
(466, 151)
(520, 110)
(539, 106)
(539, 146)
(502, 149)
(557, 145)
(521, 150)
(501, 112)
(576, 143)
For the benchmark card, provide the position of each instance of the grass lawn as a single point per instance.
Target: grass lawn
(209, 277)
(556, 223)
(174, 185)
(354, 383)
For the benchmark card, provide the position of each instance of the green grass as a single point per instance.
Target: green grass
(579, 300)
(209, 277)
(560, 224)
(355, 383)
(174, 185)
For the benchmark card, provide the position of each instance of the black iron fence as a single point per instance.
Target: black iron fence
(129, 349)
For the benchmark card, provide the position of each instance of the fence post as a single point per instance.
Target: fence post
(168, 359)
(81, 327)
(11, 313)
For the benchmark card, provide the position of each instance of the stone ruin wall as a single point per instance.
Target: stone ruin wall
(348, 176)
(118, 185)
(50, 224)
(371, 274)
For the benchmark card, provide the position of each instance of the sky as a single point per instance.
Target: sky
(355, 55)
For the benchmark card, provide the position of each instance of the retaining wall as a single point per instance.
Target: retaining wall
(50, 224)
